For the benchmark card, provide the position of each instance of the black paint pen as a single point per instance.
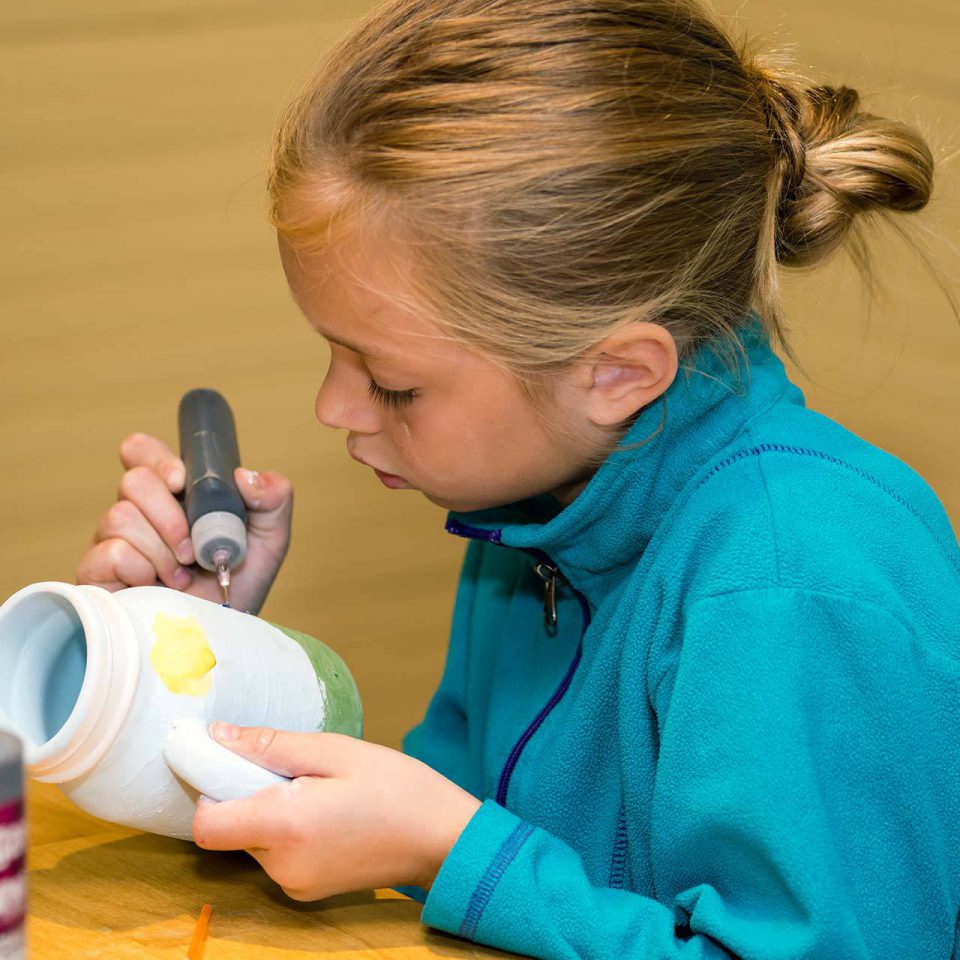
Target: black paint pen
(216, 513)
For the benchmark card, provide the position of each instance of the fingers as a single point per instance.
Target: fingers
(269, 497)
(115, 564)
(142, 450)
(289, 754)
(143, 537)
(273, 817)
(149, 494)
(246, 824)
(149, 518)
(125, 521)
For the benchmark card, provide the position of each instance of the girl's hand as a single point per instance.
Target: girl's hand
(143, 538)
(358, 815)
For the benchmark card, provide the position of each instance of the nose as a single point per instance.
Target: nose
(329, 410)
(342, 403)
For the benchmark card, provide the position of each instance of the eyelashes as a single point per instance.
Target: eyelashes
(390, 398)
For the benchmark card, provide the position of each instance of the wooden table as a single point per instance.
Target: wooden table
(99, 890)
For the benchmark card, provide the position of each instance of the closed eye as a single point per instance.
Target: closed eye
(390, 398)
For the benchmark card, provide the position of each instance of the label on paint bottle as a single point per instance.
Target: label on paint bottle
(13, 887)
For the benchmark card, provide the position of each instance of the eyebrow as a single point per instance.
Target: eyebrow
(356, 347)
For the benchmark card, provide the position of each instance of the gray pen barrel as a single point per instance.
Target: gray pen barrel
(11, 770)
(216, 513)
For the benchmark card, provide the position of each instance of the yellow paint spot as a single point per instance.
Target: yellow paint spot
(181, 655)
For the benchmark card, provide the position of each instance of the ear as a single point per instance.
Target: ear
(628, 370)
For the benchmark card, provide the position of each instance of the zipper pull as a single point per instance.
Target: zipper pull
(549, 576)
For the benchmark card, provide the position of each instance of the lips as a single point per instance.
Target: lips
(389, 476)
(391, 480)
(381, 473)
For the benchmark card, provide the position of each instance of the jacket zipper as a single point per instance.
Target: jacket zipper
(549, 576)
(551, 573)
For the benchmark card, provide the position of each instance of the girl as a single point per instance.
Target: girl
(702, 693)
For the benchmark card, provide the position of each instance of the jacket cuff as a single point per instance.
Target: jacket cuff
(468, 878)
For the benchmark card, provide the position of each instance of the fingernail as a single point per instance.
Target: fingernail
(182, 578)
(223, 731)
(175, 475)
(204, 801)
(253, 479)
(184, 550)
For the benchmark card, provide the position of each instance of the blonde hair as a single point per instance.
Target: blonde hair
(559, 168)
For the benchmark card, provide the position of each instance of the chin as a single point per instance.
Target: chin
(461, 506)
(445, 504)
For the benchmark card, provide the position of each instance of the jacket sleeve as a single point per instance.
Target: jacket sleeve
(440, 739)
(794, 812)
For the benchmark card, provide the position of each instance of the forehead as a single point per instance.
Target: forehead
(360, 294)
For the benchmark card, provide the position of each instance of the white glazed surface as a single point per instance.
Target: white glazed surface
(261, 678)
(211, 768)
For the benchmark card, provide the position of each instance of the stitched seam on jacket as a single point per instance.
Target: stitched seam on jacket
(488, 882)
(836, 461)
(619, 857)
(773, 518)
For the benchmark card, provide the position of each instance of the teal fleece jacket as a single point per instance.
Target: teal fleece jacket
(741, 737)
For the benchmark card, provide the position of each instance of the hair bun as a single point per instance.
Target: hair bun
(836, 161)
(784, 112)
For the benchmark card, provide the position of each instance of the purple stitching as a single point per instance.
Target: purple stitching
(488, 882)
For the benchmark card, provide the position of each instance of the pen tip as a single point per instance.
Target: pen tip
(223, 578)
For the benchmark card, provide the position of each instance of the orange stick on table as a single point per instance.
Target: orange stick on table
(199, 939)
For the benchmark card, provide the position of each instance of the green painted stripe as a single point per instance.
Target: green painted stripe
(344, 709)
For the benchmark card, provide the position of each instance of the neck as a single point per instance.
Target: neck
(568, 491)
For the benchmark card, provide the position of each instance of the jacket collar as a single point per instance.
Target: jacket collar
(598, 537)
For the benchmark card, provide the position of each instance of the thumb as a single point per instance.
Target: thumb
(289, 754)
(268, 496)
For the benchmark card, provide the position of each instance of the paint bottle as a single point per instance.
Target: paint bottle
(111, 694)
(13, 889)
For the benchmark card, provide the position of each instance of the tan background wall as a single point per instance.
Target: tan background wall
(136, 264)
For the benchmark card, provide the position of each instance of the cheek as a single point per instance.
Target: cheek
(440, 443)
(400, 433)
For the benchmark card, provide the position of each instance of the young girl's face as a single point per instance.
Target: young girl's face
(420, 409)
